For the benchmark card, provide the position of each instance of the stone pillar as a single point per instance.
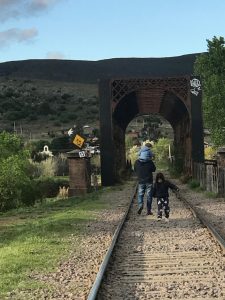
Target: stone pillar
(79, 172)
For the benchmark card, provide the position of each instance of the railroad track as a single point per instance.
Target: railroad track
(159, 260)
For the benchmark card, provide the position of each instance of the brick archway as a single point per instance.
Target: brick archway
(177, 99)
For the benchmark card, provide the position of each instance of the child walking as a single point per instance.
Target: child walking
(160, 191)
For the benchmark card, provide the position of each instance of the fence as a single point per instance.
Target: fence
(210, 176)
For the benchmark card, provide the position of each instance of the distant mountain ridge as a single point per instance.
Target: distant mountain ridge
(91, 71)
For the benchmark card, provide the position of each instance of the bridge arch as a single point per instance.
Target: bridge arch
(121, 100)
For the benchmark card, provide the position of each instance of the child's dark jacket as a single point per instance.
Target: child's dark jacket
(160, 189)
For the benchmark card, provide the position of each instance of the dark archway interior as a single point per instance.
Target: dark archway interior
(126, 110)
(171, 108)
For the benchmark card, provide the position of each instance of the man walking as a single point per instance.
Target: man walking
(144, 167)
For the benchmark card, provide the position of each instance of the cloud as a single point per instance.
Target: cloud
(20, 8)
(17, 35)
(40, 5)
(55, 55)
(10, 9)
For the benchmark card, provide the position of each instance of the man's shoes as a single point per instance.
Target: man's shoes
(149, 213)
(159, 218)
(140, 209)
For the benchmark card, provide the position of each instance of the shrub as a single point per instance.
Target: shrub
(44, 109)
(29, 193)
(161, 149)
(49, 186)
(133, 154)
(57, 123)
(52, 166)
(62, 167)
(94, 110)
(33, 117)
(210, 152)
(61, 143)
(193, 183)
(210, 194)
(13, 182)
(10, 144)
(62, 107)
(52, 117)
(185, 178)
(65, 96)
(95, 164)
(64, 118)
(48, 167)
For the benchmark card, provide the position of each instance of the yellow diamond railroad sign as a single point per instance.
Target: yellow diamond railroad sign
(78, 141)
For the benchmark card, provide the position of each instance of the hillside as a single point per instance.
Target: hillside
(92, 71)
(41, 98)
(41, 109)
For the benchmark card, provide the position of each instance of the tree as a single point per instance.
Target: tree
(129, 142)
(10, 144)
(161, 150)
(61, 144)
(211, 67)
(14, 175)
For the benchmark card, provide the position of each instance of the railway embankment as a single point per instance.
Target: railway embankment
(74, 275)
(209, 207)
(82, 250)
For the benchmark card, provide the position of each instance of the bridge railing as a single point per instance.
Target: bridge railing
(210, 176)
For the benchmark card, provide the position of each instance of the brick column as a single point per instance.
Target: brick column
(79, 173)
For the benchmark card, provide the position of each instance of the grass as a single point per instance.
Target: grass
(193, 184)
(161, 166)
(210, 194)
(36, 239)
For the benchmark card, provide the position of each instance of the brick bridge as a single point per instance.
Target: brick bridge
(176, 98)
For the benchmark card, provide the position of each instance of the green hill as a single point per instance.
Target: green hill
(40, 98)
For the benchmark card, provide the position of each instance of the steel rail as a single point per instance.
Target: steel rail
(217, 237)
(97, 283)
(98, 280)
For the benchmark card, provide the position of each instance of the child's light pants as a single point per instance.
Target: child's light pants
(163, 203)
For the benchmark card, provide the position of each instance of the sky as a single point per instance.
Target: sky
(102, 29)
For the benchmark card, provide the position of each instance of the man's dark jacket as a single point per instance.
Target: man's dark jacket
(144, 170)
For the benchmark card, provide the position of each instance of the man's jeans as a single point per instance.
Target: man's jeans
(142, 188)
